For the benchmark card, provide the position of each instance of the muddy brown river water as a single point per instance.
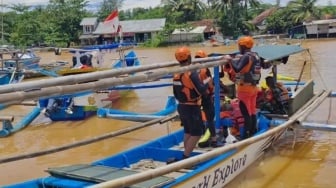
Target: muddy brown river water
(310, 164)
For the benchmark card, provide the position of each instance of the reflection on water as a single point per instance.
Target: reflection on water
(310, 164)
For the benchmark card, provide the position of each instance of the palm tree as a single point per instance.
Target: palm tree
(192, 9)
(303, 10)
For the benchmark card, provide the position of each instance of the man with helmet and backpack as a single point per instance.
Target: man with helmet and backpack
(247, 69)
(188, 90)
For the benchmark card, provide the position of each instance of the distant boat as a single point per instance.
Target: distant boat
(14, 64)
(108, 46)
(83, 105)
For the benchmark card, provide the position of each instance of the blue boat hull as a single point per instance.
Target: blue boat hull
(78, 113)
(160, 149)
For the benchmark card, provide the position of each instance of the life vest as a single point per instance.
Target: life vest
(203, 75)
(236, 113)
(232, 75)
(184, 89)
(283, 96)
(251, 73)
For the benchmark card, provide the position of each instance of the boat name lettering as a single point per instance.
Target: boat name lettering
(221, 174)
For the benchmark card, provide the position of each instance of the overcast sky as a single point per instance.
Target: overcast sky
(141, 3)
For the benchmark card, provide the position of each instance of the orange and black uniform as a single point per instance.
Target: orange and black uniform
(188, 90)
(208, 103)
(277, 98)
(247, 69)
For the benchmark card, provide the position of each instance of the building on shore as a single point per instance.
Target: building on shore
(89, 25)
(137, 31)
(320, 28)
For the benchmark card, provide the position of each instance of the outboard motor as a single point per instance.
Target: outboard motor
(74, 61)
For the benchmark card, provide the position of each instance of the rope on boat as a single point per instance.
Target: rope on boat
(323, 83)
(19, 96)
(152, 173)
(88, 141)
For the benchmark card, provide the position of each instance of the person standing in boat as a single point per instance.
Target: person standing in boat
(208, 107)
(246, 66)
(188, 90)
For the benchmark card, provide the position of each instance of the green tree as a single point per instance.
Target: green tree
(191, 9)
(107, 6)
(303, 10)
(66, 16)
(279, 21)
(24, 34)
(329, 11)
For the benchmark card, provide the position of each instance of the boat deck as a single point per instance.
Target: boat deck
(97, 173)
(87, 174)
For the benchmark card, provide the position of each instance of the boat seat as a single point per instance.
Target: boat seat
(98, 174)
(301, 96)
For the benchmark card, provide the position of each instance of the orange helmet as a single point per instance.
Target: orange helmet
(200, 54)
(246, 41)
(182, 54)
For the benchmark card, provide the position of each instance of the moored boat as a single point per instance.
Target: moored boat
(83, 105)
(145, 165)
(14, 64)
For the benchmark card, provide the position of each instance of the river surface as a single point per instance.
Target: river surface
(310, 164)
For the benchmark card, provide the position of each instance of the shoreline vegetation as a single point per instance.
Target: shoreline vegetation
(231, 18)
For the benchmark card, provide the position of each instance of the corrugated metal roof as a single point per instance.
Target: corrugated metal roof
(317, 22)
(89, 21)
(262, 16)
(88, 36)
(199, 29)
(209, 23)
(134, 26)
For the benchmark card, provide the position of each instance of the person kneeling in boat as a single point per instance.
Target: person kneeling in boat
(276, 97)
(208, 107)
(188, 90)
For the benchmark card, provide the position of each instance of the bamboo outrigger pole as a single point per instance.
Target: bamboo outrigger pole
(79, 78)
(56, 90)
(92, 76)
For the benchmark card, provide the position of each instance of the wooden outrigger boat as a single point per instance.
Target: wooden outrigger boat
(145, 165)
(15, 63)
(82, 105)
(83, 60)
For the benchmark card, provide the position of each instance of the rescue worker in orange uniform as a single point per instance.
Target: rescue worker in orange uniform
(247, 69)
(207, 104)
(188, 90)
